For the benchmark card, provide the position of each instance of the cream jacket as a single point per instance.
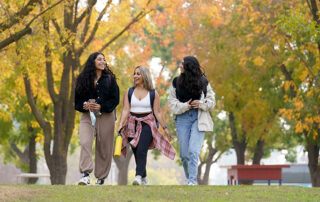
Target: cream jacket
(207, 103)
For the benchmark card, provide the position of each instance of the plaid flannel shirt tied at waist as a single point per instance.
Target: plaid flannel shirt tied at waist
(158, 141)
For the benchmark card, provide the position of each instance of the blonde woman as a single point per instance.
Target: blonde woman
(138, 123)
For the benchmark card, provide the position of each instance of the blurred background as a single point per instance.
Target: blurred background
(261, 58)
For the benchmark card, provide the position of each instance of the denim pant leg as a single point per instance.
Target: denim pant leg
(195, 145)
(183, 125)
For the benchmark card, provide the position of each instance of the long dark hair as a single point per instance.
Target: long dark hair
(85, 80)
(190, 79)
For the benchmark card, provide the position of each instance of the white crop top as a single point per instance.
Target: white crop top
(140, 105)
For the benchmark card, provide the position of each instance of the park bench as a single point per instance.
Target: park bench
(31, 175)
(237, 173)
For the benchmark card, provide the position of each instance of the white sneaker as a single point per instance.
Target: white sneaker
(137, 180)
(144, 181)
(191, 184)
(84, 181)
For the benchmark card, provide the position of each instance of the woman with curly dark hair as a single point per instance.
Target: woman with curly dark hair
(191, 99)
(96, 96)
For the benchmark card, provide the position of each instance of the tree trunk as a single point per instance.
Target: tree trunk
(58, 170)
(258, 153)
(123, 165)
(239, 145)
(208, 163)
(32, 159)
(314, 168)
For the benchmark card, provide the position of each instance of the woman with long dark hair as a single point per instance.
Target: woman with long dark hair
(96, 96)
(141, 109)
(191, 99)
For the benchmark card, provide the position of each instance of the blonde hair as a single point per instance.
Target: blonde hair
(146, 75)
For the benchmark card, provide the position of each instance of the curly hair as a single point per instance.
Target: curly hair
(85, 80)
(190, 79)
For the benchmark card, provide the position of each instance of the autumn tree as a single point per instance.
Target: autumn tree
(299, 47)
(66, 38)
(17, 19)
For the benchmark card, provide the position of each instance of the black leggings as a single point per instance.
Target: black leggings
(141, 150)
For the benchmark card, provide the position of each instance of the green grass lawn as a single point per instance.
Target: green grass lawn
(48, 193)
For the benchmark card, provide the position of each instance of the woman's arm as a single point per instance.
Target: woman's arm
(209, 101)
(79, 103)
(206, 103)
(125, 110)
(156, 109)
(157, 113)
(112, 102)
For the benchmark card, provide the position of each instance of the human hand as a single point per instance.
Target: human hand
(94, 107)
(189, 104)
(195, 103)
(86, 106)
(119, 128)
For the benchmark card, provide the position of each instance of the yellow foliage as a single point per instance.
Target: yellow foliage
(298, 105)
(258, 61)
(309, 120)
(303, 75)
(39, 138)
(316, 119)
(299, 128)
(286, 98)
(310, 93)
(306, 127)
(34, 124)
(315, 134)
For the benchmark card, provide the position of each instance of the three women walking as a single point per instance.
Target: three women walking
(97, 94)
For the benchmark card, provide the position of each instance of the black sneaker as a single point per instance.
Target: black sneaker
(99, 182)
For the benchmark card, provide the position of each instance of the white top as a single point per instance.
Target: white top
(139, 106)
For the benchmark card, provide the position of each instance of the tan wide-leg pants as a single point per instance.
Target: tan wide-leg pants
(103, 131)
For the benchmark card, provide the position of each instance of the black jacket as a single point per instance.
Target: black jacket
(106, 94)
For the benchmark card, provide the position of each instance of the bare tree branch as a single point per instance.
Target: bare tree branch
(86, 27)
(302, 59)
(17, 17)
(218, 157)
(40, 119)
(95, 28)
(76, 10)
(91, 3)
(58, 29)
(137, 18)
(48, 56)
(15, 37)
(45, 125)
(27, 30)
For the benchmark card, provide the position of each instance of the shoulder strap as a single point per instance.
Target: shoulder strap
(152, 95)
(205, 84)
(130, 92)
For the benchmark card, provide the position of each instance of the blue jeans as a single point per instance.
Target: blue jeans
(190, 142)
